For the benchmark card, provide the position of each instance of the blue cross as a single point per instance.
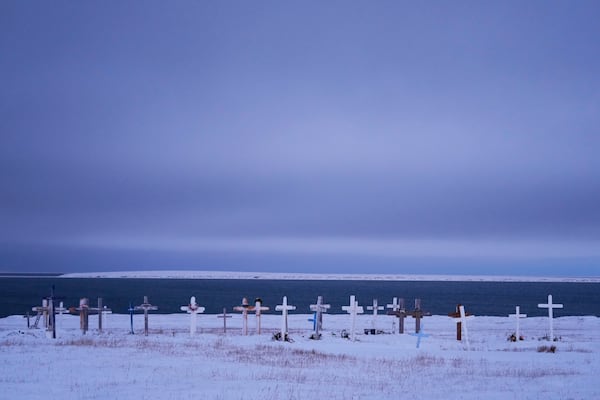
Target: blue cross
(314, 321)
(420, 335)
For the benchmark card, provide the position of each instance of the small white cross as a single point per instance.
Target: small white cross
(550, 306)
(375, 308)
(284, 308)
(243, 308)
(518, 316)
(353, 309)
(193, 309)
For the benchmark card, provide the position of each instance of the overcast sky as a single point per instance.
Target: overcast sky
(351, 136)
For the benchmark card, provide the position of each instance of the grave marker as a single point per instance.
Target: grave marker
(550, 306)
(353, 309)
(146, 306)
(284, 308)
(517, 315)
(84, 313)
(101, 311)
(243, 308)
(224, 316)
(193, 309)
(42, 312)
(319, 309)
(131, 311)
(459, 322)
(420, 335)
(258, 308)
(417, 314)
(398, 311)
(375, 308)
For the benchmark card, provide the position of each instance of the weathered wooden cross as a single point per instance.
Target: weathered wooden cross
(459, 323)
(398, 310)
(42, 311)
(102, 310)
(517, 315)
(146, 306)
(224, 316)
(417, 314)
(375, 308)
(550, 306)
(284, 308)
(319, 309)
(243, 308)
(84, 312)
(258, 308)
(193, 309)
(353, 309)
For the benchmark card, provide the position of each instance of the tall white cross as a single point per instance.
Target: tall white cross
(353, 309)
(375, 309)
(463, 320)
(319, 309)
(193, 309)
(284, 308)
(243, 308)
(550, 306)
(518, 316)
(258, 308)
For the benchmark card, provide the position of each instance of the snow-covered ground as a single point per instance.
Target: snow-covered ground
(304, 276)
(170, 364)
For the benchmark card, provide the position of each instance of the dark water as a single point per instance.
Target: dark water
(18, 295)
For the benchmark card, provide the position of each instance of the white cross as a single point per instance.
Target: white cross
(353, 309)
(258, 307)
(284, 308)
(193, 309)
(394, 306)
(319, 309)
(375, 308)
(550, 306)
(518, 316)
(243, 308)
(463, 320)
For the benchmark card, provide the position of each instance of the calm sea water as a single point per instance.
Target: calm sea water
(18, 295)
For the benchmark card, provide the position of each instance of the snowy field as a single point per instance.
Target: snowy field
(171, 364)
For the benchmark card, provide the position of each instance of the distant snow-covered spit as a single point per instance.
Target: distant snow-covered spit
(305, 276)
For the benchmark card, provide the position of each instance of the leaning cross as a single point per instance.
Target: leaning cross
(319, 309)
(459, 322)
(353, 309)
(224, 316)
(417, 314)
(42, 311)
(399, 311)
(550, 306)
(258, 308)
(518, 316)
(193, 309)
(375, 308)
(284, 308)
(145, 306)
(243, 308)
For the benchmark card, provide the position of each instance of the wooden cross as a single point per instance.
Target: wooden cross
(375, 309)
(146, 306)
(459, 322)
(284, 308)
(319, 309)
(353, 309)
(518, 316)
(84, 312)
(420, 335)
(417, 314)
(101, 311)
(550, 306)
(193, 309)
(42, 311)
(224, 316)
(243, 308)
(258, 308)
(399, 311)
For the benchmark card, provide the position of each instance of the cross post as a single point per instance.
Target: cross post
(84, 312)
(353, 309)
(459, 323)
(319, 309)
(375, 308)
(398, 310)
(146, 306)
(417, 314)
(258, 308)
(243, 308)
(193, 309)
(284, 308)
(224, 316)
(550, 306)
(420, 335)
(517, 315)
